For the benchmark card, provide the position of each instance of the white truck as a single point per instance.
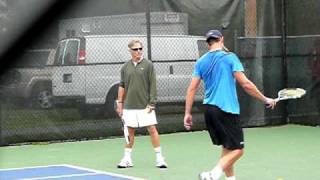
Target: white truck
(87, 69)
(32, 80)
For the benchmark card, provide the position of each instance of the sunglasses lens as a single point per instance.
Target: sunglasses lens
(136, 49)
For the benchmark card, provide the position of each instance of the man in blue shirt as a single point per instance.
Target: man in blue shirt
(220, 70)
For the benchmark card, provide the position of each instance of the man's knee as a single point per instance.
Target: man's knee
(152, 130)
(239, 152)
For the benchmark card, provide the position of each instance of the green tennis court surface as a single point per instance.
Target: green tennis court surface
(272, 153)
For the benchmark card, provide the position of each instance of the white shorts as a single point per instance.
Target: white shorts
(139, 118)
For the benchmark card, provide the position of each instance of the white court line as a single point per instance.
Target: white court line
(102, 172)
(30, 167)
(61, 176)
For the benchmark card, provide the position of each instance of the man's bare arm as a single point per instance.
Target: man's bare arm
(250, 88)
(192, 89)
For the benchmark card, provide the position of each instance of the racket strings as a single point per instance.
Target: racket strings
(292, 93)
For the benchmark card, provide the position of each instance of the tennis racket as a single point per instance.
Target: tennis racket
(124, 127)
(225, 49)
(290, 93)
(125, 131)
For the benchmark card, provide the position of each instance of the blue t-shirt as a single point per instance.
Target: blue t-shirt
(216, 70)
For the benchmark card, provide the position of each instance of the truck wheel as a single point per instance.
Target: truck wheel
(42, 98)
(110, 106)
(89, 111)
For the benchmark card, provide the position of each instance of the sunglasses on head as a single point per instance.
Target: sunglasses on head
(136, 49)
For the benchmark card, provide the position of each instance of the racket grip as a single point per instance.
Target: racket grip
(125, 132)
(276, 100)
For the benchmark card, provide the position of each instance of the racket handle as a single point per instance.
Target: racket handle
(125, 132)
(276, 100)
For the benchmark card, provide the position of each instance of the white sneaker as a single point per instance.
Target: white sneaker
(161, 163)
(206, 176)
(125, 163)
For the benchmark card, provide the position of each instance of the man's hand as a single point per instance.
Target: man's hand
(149, 108)
(270, 103)
(119, 108)
(187, 121)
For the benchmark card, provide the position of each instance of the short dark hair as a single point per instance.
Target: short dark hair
(211, 41)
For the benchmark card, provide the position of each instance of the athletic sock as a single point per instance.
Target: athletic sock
(216, 172)
(127, 153)
(231, 178)
(158, 152)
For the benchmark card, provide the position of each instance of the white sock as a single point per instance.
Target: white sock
(127, 153)
(231, 178)
(158, 152)
(216, 172)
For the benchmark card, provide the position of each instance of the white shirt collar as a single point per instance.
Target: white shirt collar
(135, 63)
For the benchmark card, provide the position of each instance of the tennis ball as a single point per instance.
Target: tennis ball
(280, 178)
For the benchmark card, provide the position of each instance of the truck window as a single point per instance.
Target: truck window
(59, 53)
(71, 53)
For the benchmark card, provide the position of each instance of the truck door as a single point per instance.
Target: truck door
(69, 75)
(180, 77)
(181, 70)
(162, 75)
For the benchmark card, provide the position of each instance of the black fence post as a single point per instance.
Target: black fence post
(1, 101)
(148, 26)
(284, 52)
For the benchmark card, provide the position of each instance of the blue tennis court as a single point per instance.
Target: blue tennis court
(59, 172)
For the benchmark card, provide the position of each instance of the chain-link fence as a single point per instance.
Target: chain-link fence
(64, 86)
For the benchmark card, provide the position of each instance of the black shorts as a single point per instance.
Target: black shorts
(224, 128)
